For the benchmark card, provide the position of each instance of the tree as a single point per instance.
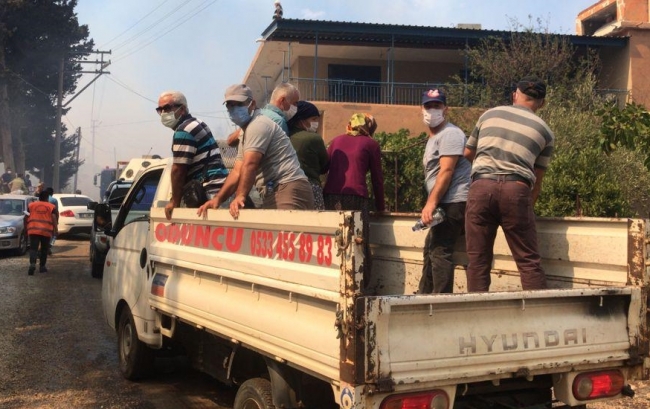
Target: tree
(36, 34)
(402, 167)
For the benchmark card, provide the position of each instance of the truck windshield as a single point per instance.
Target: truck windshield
(141, 199)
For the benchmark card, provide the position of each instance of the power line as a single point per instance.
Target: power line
(149, 27)
(121, 84)
(34, 87)
(182, 21)
(134, 24)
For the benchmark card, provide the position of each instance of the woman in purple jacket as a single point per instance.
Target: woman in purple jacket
(351, 156)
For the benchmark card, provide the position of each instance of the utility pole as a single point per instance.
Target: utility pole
(76, 158)
(94, 124)
(57, 137)
(60, 105)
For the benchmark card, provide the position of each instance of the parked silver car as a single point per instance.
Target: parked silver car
(12, 230)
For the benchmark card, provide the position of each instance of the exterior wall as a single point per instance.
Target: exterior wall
(390, 118)
(629, 68)
(633, 10)
(615, 71)
(639, 51)
(404, 71)
(422, 72)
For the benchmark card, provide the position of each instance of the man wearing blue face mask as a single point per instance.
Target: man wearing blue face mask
(265, 159)
(281, 108)
(195, 152)
(446, 174)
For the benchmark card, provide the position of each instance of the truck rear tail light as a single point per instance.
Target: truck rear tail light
(437, 399)
(67, 213)
(595, 385)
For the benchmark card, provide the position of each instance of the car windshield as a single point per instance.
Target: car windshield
(13, 207)
(74, 201)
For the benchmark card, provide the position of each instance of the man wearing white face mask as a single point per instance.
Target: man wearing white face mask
(195, 152)
(265, 159)
(310, 147)
(447, 178)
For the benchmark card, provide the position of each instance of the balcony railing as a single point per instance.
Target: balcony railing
(365, 92)
(395, 93)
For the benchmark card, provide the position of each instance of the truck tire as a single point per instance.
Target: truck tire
(136, 359)
(254, 394)
(97, 267)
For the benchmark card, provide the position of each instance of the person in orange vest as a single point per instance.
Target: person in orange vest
(41, 225)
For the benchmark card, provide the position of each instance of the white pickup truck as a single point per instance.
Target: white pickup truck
(275, 303)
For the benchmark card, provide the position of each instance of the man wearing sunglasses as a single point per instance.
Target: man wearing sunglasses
(265, 159)
(195, 152)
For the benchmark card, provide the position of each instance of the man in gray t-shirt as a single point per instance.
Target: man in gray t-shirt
(446, 174)
(265, 159)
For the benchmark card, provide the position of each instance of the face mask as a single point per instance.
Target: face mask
(240, 115)
(432, 117)
(290, 112)
(168, 119)
(313, 127)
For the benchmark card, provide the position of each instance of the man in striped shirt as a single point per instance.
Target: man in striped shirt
(195, 152)
(510, 148)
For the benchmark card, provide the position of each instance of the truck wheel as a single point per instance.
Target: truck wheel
(136, 359)
(254, 394)
(97, 267)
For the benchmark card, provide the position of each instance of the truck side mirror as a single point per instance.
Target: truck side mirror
(102, 216)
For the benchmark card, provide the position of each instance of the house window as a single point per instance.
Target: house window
(354, 83)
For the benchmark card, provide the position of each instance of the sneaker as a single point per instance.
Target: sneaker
(31, 270)
(42, 269)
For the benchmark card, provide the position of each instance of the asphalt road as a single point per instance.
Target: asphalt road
(56, 350)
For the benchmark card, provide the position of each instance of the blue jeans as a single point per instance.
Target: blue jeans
(438, 268)
(509, 204)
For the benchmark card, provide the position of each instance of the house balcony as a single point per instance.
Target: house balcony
(399, 93)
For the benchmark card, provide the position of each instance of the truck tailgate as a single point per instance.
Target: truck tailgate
(472, 337)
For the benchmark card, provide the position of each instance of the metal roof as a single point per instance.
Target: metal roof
(369, 34)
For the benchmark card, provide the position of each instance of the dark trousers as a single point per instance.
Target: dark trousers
(438, 268)
(34, 241)
(509, 204)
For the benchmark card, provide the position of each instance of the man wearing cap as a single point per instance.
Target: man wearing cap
(510, 148)
(446, 173)
(265, 159)
(281, 108)
(195, 152)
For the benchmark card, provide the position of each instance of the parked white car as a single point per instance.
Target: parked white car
(74, 216)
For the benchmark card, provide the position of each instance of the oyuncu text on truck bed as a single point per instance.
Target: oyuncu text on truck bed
(274, 302)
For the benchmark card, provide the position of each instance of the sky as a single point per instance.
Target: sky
(200, 47)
